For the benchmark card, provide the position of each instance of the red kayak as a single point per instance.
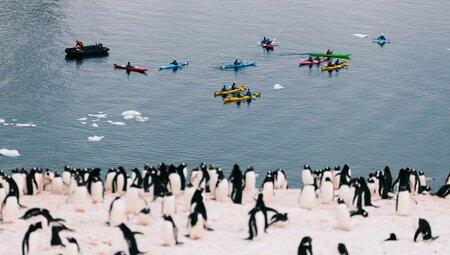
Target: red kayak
(267, 46)
(131, 68)
(305, 62)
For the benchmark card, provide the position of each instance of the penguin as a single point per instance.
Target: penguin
(279, 220)
(326, 173)
(392, 237)
(444, 191)
(447, 181)
(2, 195)
(80, 196)
(342, 249)
(402, 206)
(72, 247)
(205, 178)
(305, 247)
(136, 177)
(30, 243)
(236, 180)
(188, 193)
(13, 190)
(345, 175)
(423, 232)
(67, 174)
(56, 239)
(144, 216)
(221, 190)
(342, 216)
(256, 223)
(197, 205)
(57, 187)
(120, 181)
(35, 212)
(10, 209)
(250, 180)
(48, 177)
(424, 190)
(132, 199)
(169, 206)
(97, 192)
(196, 177)
(109, 179)
(280, 179)
(213, 178)
(117, 212)
(169, 232)
(414, 182)
(195, 225)
(129, 237)
(307, 198)
(336, 175)
(31, 182)
(267, 187)
(174, 181)
(18, 179)
(366, 192)
(422, 178)
(307, 177)
(388, 178)
(326, 191)
(182, 172)
(373, 185)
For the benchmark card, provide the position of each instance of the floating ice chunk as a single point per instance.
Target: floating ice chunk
(6, 124)
(360, 35)
(128, 117)
(2, 121)
(100, 112)
(277, 87)
(82, 119)
(14, 119)
(448, 49)
(95, 138)
(131, 113)
(83, 123)
(98, 116)
(94, 124)
(9, 153)
(141, 119)
(116, 123)
(25, 125)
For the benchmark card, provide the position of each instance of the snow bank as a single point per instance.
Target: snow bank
(9, 153)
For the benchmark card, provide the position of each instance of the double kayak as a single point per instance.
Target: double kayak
(87, 51)
(242, 64)
(315, 61)
(131, 68)
(333, 55)
(172, 66)
(231, 91)
(335, 67)
(237, 99)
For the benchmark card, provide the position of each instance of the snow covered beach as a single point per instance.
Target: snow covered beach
(229, 222)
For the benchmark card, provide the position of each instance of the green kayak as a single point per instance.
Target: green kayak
(330, 55)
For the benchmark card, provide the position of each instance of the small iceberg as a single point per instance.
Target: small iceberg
(98, 116)
(2, 121)
(277, 87)
(25, 125)
(95, 138)
(94, 124)
(141, 119)
(130, 114)
(360, 35)
(82, 119)
(83, 123)
(117, 123)
(9, 153)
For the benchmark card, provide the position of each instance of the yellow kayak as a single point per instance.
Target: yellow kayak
(237, 99)
(223, 93)
(335, 67)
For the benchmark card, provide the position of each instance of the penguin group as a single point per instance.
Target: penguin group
(130, 195)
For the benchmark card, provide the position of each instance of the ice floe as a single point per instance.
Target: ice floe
(94, 124)
(141, 119)
(360, 35)
(130, 114)
(9, 153)
(2, 121)
(95, 138)
(82, 119)
(116, 123)
(26, 124)
(277, 87)
(98, 116)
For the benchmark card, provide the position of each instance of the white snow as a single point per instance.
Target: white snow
(9, 153)
(360, 35)
(277, 87)
(99, 116)
(95, 138)
(116, 123)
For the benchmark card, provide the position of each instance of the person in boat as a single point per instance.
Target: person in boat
(268, 41)
(79, 44)
(381, 37)
(128, 64)
(236, 62)
(310, 59)
(337, 62)
(329, 51)
(264, 40)
(330, 64)
(224, 88)
(238, 95)
(233, 86)
(248, 93)
(317, 58)
(174, 62)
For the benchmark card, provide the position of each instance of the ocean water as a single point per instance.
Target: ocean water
(390, 107)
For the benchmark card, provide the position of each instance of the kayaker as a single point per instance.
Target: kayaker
(381, 37)
(248, 93)
(238, 95)
(330, 64)
(128, 64)
(236, 62)
(310, 59)
(224, 88)
(79, 44)
(233, 86)
(317, 58)
(264, 40)
(329, 51)
(337, 62)
(174, 62)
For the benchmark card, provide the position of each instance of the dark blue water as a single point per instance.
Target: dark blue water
(390, 107)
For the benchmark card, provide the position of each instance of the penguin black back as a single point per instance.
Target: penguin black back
(25, 242)
(131, 240)
(342, 249)
(305, 247)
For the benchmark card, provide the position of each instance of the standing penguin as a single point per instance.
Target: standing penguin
(169, 231)
(256, 223)
(236, 180)
(72, 247)
(97, 192)
(423, 232)
(128, 235)
(336, 175)
(195, 225)
(120, 181)
(250, 179)
(280, 179)
(326, 191)
(307, 176)
(213, 177)
(182, 172)
(174, 181)
(132, 199)
(305, 247)
(117, 212)
(10, 209)
(56, 239)
(342, 216)
(221, 191)
(80, 196)
(109, 179)
(307, 199)
(144, 217)
(2, 195)
(31, 182)
(197, 205)
(342, 249)
(188, 193)
(402, 206)
(57, 184)
(267, 187)
(30, 243)
(345, 175)
(196, 177)
(169, 206)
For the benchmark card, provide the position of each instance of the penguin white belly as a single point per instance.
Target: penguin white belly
(336, 180)
(118, 213)
(326, 193)
(342, 217)
(168, 205)
(422, 180)
(281, 182)
(307, 177)
(120, 184)
(188, 193)
(168, 235)
(344, 193)
(57, 186)
(66, 178)
(403, 203)
(308, 197)
(132, 202)
(144, 219)
(80, 198)
(109, 181)
(175, 184)
(195, 232)
(373, 192)
(71, 249)
(2, 197)
(196, 177)
(34, 243)
(260, 225)
(250, 182)
(267, 192)
(10, 210)
(19, 181)
(40, 182)
(97, 192)
(221, 192)
(213, 180)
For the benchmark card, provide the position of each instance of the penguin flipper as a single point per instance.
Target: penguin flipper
(178, 243)
(434, 238)
(138, 233)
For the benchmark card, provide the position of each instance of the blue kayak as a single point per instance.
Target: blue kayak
(242, 64)
(172, 66)
(381, 41)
